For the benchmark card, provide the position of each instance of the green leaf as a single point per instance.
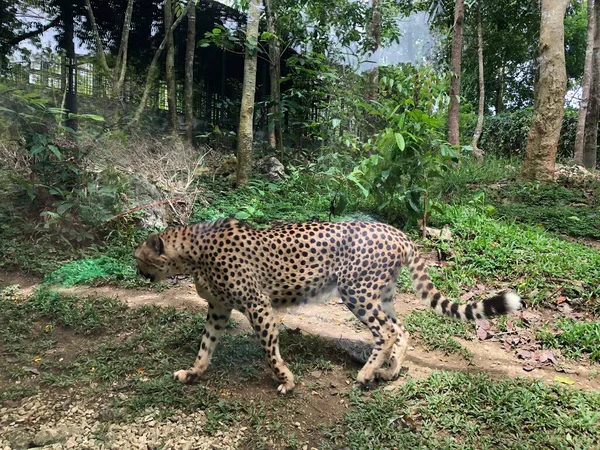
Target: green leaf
(242, 215)
(63, 208)
(55, 150)
(400, 141)
(364, 190)
(335, 123)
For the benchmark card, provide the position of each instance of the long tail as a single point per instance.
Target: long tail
(497, 305)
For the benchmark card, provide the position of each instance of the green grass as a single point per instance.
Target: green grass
(575, 339)
(461, 411)
(522, 257)
(260, 201)
(573, 210)
(438, 332)
(81, 341)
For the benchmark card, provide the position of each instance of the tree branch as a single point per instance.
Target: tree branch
(33, 33)
(92, 19)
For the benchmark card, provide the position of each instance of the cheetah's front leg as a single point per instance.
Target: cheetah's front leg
(216, 321)
(262, 319)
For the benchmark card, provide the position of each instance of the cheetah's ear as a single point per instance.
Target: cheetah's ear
(156, 243)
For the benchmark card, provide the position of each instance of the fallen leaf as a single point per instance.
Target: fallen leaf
(564, 380)
(528, 368)
(523, 354)
(467, 296)
(560, 299)
(481, 334)
(32, 370)
(547, 355)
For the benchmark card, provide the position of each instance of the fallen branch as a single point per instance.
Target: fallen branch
(147, 205)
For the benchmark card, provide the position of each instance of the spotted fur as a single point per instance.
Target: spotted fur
(256, 270)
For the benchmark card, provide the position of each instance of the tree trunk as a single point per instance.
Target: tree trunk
(477, 152)
(188, 89)
(69, 46)
(542, 141)
(116, 77)
(245, 130)
(585, 85)
(590, 139)
(374, 37)
(275, 131)
(455, 64)
(499, 104)
(170, 69)
(153, 69)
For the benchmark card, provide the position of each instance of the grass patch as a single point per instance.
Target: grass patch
(453, 410)
(575, 339)
(80, 342)
(261, 201)
(573, 210)
(437, 332)
(502, 254)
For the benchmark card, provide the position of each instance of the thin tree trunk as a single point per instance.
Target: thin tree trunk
(374, 30)
(116, 76)
(245, 130)
(188, 89)
(275, 131)
(477, 152)
(542, 141)
(121, 66)
(500, 91)
(69, 44)
(590, 145)
(455, 64)
(585, 85)
(153, 69)
(170, 69)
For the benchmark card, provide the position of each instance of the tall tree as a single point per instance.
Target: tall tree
(116, 76)
(586, 83)
(455, 66)
(170, 68)
(188, 88)
(542, 141)
(477, 152)
(275, 130)
(68, 43)
(373, 43)
(590, 140)
(153, 69)
(245, 136)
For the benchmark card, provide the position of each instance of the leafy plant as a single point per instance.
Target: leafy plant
(410, 151)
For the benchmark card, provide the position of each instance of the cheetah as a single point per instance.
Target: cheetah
(255, 271)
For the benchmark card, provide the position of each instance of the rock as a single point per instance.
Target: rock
(271, 167)
(19, 440)
(144, 193)
(49, 436)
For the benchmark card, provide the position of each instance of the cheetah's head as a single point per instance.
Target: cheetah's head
(153, 260)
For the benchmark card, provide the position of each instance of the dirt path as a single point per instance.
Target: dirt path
(332, 320)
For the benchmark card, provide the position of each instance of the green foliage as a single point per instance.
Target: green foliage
(299, 198)
(410, 151)
(454, 410)
(524, 257)
(574, 338)
(506, 134)
(71, 201)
